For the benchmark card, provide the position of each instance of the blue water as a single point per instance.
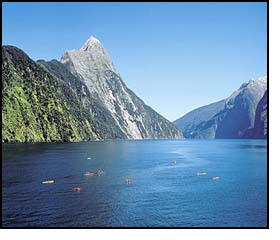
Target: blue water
(161, 194)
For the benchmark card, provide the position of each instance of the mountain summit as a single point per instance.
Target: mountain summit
(132, 117)
(91, 52)
(91, 43)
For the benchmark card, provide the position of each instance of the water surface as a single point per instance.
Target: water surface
(161, 194)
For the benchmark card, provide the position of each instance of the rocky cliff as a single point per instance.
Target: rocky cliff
(259, 130)
(131, 115)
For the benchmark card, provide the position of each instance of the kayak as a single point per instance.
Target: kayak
(48, 182)
(88, 174)
(216, 178)
(127, 181)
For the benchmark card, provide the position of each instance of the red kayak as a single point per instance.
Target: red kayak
(127, 181)
(77, 189)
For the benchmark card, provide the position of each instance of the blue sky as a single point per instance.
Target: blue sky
(175, 56)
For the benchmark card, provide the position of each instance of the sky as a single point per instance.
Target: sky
(175, 56)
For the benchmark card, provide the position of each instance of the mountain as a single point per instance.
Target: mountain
(104, 123)
(131, 116)
(36, 107)
(229, 118)
(260, 125)
(80, 98)
(192, 122)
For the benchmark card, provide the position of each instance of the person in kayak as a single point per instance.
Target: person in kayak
(127, 181)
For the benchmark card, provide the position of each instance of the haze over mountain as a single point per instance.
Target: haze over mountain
(228, 118)
(80, 98)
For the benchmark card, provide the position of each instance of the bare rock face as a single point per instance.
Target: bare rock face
(259, 130)
(104, 123)
(134, 119)
(229, 118)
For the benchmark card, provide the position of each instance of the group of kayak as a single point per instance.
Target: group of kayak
(126, 181)
(200, 173)
(86, 174)
(77, 189)
(204, 173)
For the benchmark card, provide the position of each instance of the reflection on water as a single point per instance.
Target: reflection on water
(161, 193)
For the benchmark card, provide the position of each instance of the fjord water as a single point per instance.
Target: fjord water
(162, 194)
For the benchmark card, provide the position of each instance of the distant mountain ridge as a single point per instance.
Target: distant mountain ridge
(191, 123)
(229, 118)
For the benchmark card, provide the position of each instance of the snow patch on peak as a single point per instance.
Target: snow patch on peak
(262, 80)
(90, 43)
(256, 87)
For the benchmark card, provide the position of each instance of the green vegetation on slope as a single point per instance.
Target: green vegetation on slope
(104, 123)
(35, 108)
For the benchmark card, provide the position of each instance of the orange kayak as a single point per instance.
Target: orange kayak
(88, 174)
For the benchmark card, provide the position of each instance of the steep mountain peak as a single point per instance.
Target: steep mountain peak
(256, 87)
(261, 81)
(90, 44)
(127, 112)
(91, 57)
